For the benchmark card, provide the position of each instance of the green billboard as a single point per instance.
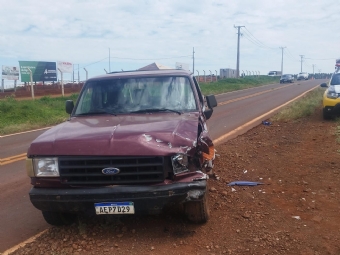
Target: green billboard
(41, 71)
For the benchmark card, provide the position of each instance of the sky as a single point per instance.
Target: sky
(126, 35)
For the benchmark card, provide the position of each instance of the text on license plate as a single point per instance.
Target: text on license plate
(115, 208)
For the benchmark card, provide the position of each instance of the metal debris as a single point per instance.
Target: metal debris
(244, 183)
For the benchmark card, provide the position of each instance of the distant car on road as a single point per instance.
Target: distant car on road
(274, 73)
(302, 76)
(287, 78)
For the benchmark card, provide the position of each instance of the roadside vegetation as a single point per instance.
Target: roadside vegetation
(22, 115)
(231, 84)
(303, 107)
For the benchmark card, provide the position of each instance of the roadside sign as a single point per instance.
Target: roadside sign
(10, 73)
(41, 71)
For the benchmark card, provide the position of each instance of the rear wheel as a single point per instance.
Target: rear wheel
(326, 114)
(59, 218)
(197, 211)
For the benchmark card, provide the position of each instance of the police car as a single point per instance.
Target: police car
(331, 97)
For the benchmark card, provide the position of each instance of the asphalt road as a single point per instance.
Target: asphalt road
(19, 220)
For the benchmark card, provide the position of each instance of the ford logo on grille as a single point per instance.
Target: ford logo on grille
(110, 171)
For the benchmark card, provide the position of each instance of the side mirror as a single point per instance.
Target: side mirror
(208, 113)
(69, 106)
(211, 101)
(323, 85)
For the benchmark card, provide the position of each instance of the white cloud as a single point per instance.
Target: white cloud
(140, 32)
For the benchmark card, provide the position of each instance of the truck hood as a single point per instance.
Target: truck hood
(132, 135)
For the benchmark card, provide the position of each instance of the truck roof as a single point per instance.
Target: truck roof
(139, 73)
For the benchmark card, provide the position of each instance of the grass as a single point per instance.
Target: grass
(337, 131)
(303, 107)
(231, 84)
(22, 115)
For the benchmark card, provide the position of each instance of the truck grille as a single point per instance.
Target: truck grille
(88, 171)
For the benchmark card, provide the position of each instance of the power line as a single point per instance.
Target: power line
(252, 40)
(257, 40)
(291, 55)
(320, 58)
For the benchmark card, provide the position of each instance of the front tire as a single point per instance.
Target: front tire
(59, 218)
(326, 115)
(197, 211)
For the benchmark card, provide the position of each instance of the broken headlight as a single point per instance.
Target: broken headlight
(179, 163)
(45, 167)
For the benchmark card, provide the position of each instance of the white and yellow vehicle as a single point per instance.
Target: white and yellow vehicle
(331, 97)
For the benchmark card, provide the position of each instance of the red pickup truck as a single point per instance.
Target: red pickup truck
(135, 142)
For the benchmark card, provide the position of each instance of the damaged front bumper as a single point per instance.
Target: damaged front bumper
(146, 199)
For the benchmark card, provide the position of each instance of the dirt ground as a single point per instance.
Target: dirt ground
(295, 211)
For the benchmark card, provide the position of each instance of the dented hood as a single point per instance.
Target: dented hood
(130, 135)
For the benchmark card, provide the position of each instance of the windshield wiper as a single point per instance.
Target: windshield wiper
(96, 113)
(157, 110)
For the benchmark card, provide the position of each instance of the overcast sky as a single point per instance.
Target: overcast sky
(137, 33)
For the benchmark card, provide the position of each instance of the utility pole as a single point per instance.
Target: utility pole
(109, 61)
(313, 68)
(238, 51)
(282, 59)
(302, 56)
(193, 60)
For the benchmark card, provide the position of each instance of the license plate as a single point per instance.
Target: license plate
(115, 208)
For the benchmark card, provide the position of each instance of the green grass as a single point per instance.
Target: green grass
(303, 107)
(22, 115)
(337, 131)
(231, 84)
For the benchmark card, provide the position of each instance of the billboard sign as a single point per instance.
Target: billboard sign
(41, 71)
(182, 66)
(65, 67)
(10, 73)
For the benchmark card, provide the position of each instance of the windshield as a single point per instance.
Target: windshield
(335, 79)
(136, 95)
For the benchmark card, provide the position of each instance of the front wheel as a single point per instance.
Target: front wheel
(59, 218)
(197, 211)
(326, 114)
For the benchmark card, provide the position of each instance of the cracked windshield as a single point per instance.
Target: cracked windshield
(137, 95)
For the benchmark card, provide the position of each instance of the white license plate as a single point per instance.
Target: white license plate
(115, 208)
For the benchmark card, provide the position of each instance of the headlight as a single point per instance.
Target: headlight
(179, 163)
(46, 167)
(331, 93)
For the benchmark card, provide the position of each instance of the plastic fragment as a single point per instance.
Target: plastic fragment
(296, 217)
(266, 123)
(244, 183)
